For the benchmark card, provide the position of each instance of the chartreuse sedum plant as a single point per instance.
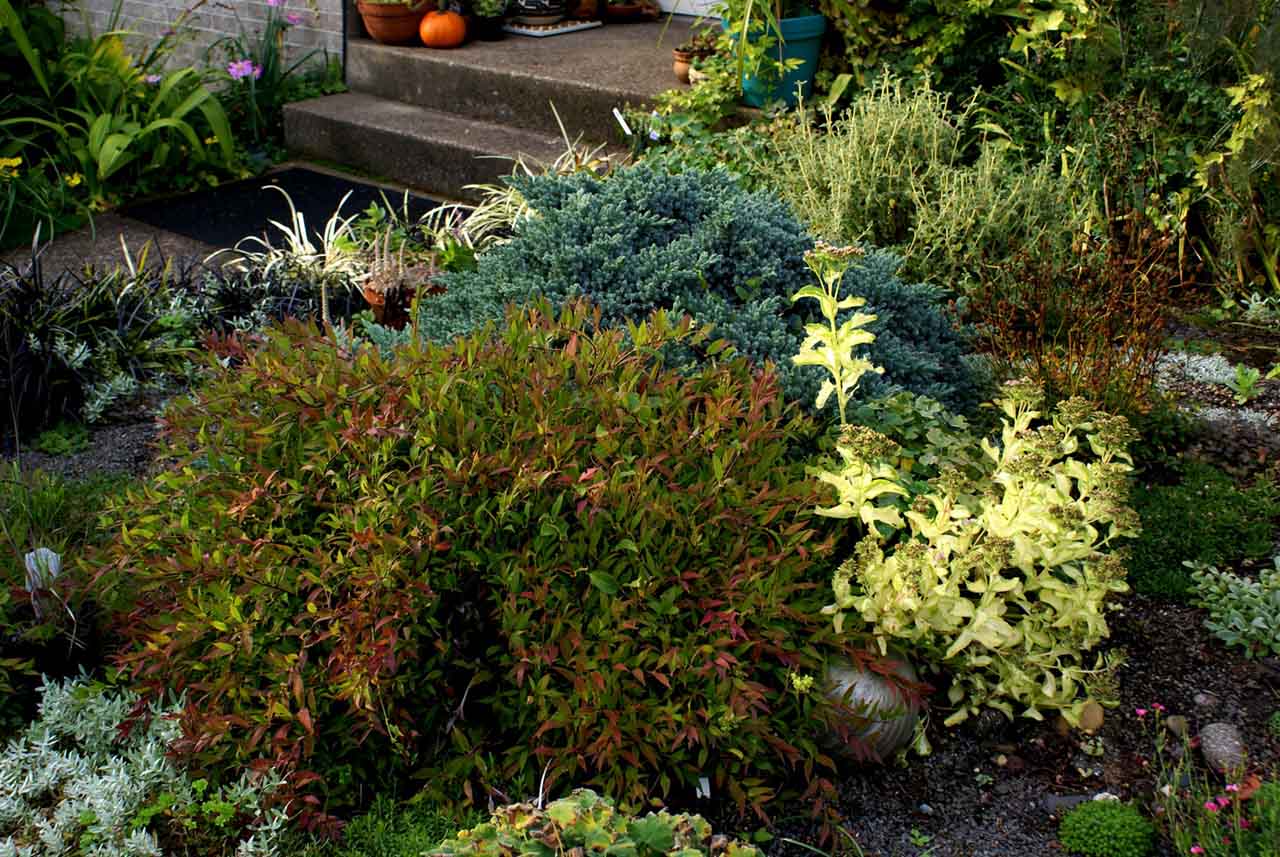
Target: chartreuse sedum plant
(999, 571)
(586, 822)
(84, 779)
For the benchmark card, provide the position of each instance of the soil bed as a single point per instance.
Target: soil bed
(997, 789)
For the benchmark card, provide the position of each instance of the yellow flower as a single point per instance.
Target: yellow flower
(74, 180)
(209, 141)
(9, 167)
(800, 682)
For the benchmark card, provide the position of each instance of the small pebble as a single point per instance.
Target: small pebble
(1177, 724)
(1205, 700)
(1057, 804)
(925, 809)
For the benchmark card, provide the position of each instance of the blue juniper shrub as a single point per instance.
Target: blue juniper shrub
(696, 242)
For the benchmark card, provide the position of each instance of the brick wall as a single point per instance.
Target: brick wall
(321, 25)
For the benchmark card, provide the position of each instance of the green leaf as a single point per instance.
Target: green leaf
(9, 17)
(653, 834)
(605, 583)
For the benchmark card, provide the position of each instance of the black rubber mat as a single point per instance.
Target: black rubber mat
(223, 215)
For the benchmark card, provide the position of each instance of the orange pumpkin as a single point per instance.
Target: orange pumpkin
(443, 30)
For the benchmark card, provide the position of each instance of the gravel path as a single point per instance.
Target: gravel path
(98, 245)
(123, 449)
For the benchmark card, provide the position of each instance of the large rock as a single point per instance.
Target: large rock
(1223, 747)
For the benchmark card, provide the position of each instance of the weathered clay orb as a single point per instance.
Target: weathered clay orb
(875, 709)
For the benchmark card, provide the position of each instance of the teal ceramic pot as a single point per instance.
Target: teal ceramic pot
(802, 40)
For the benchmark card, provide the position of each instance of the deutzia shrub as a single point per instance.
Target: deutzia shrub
(81, 781)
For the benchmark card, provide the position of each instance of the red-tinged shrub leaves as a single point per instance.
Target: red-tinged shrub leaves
(538, 550)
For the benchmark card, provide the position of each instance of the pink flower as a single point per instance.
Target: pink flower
(1233, 787)
(274, 3)
(293, 18)
(1211, 806)
(1244, 824)
(1158, 707)
(1141, 712)
(153, 78)
(1196, 849)
(1224, 802)
(240, 69)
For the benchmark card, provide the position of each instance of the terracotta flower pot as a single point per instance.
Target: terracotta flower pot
(681, 60)
(393, 23)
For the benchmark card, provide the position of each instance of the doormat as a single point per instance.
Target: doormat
(225, 214)
(540, 30)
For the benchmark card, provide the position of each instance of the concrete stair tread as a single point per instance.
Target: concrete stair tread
(515, 81)
(426, 149)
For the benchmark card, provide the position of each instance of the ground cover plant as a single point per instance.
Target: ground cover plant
(584, 819)
(354, 545)
(1106, 828)
(388, 829)
(69, 783)
(1243, 611)
(696, 243)
(1201, 517)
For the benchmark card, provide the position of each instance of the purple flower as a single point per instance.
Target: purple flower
(154, 78)
(293, 18)
(240, 69)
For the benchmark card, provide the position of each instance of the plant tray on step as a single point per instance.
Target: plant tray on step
(540, 30)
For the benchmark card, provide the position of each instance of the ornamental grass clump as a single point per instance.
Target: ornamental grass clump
(532, 557)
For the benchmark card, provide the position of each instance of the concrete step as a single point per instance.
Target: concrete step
(515, 81)
(428, 150)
